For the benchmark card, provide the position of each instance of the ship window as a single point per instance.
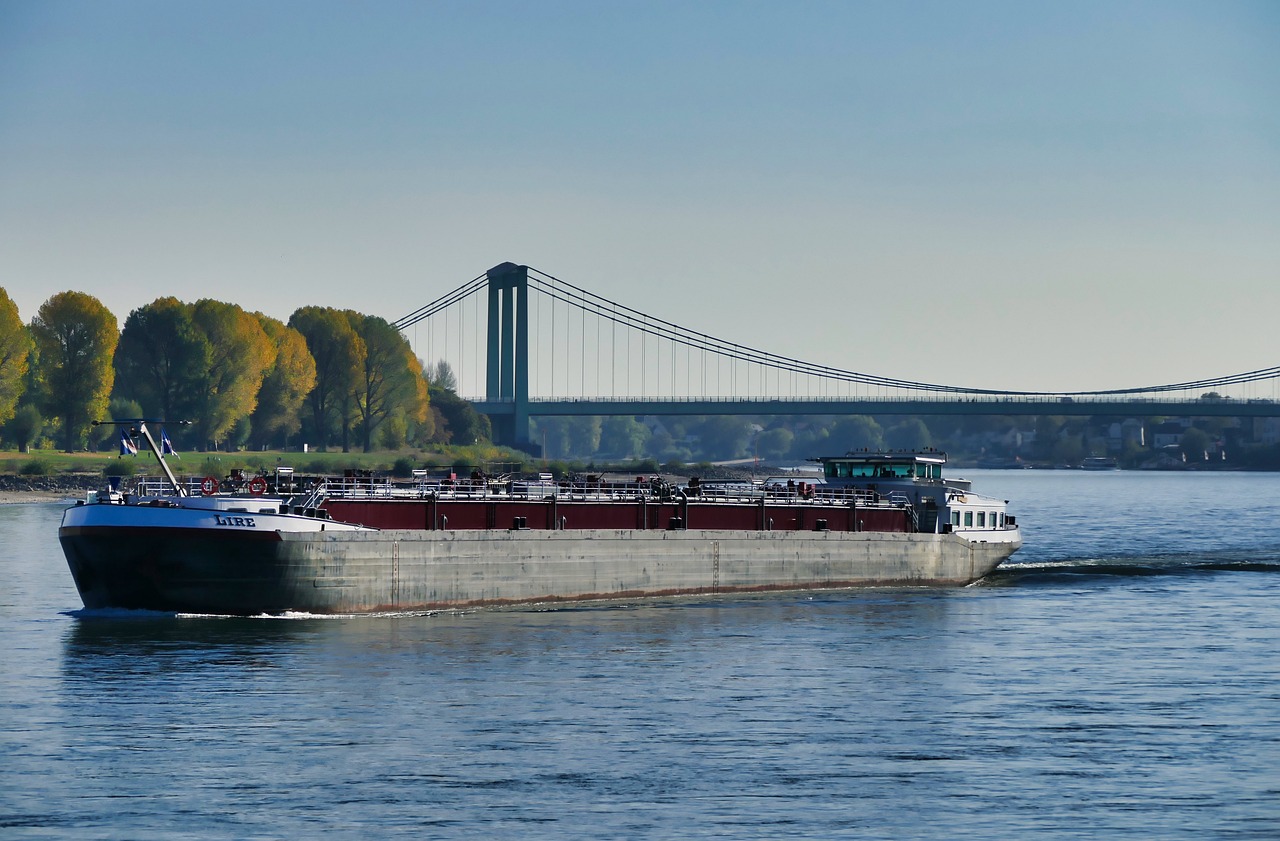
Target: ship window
(955, 518)
(968, 518)
(992, 519)
(1001, 521)
(982, 519)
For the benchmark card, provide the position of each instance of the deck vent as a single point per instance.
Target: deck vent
(820, 525)
(675, 524)
(519, 523)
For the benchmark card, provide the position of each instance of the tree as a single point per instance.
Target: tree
(339, 356)
(285, 386)
(24, 427)
(775, 443)
(1194, 445)
(15, 354)
(909, 434)
(724, 437)
(163, 360)
(76, 337)
(857, 432)
(569, 437)
(456, 420)
(241, 354)
(441, 376)
(107, 437)
(624, 437)
(391, 380)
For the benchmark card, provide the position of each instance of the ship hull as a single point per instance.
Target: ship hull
(249, 572)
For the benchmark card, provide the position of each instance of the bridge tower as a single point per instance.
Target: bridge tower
(508, 354)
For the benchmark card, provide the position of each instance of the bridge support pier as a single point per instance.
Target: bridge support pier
(507, 372)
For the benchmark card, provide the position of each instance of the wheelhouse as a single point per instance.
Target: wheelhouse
(878, 466)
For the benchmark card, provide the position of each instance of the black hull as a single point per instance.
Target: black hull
(185, 572)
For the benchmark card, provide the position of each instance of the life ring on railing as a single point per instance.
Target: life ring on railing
(208, 486)
(257, 486)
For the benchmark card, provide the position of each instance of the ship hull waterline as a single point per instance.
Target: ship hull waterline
(194, 570)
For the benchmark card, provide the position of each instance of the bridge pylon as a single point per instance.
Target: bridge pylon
(507, 366)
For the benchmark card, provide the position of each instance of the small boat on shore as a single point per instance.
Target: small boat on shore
(269, 544)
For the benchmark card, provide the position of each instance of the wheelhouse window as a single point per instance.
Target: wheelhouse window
(968, 519)
(982, 519)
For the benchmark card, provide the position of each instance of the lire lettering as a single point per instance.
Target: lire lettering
(246, 522)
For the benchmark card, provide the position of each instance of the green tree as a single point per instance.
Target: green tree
(76, 337)
(857, 432)
(724, 437)
(15, 354)
(456, 421)
(568, 437)
(908, 434)
(775, 443)
(163, 360)
(107, 437)
(339, 356)
(1194, 445)
(391, 381)
(624, 437)
(24, 428)
(441, 376)
(285, 386)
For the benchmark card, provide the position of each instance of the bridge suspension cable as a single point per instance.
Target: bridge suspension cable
(633, 321)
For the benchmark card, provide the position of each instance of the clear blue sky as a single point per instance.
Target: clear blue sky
(998, 194)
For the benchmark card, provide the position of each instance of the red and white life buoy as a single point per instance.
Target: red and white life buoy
(208, 486)
(257, 486)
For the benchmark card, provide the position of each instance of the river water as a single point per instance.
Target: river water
(1119, 678)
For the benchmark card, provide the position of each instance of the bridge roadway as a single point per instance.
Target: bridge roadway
(1075, 406)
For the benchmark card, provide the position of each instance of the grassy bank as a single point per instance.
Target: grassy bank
(54, 462)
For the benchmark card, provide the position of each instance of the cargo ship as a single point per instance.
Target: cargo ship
(360, 544)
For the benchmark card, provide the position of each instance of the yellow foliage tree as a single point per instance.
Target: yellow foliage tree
(287, 383)
(15, 353)
(76, 338)
(241, 353)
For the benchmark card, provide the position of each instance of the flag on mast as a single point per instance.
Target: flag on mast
(127, 447)
(166, 446)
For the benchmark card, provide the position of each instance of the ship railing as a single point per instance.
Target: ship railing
(360, 488)
(314, 498)
(159, 486)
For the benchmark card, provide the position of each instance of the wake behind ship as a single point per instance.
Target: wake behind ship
(359, 544)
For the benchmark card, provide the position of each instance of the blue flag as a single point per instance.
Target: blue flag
(166, 446)
(127, 447)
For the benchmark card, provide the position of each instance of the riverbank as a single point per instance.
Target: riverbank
(18, 489)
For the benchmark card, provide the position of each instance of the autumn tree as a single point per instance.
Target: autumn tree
(391, 380)
(163, 360)
(240, 355)
(286, 385)
(339, 357)
(76, 337)
(15, 353)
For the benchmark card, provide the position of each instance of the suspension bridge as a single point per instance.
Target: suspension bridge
(524, 344)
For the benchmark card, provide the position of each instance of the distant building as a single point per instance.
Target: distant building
(1168, 434)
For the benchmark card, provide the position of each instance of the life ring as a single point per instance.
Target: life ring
(208, 486)
(257, 486)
